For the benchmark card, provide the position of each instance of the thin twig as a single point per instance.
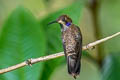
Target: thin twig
(44, 58)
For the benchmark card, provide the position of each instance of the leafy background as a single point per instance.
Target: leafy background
(24, 34)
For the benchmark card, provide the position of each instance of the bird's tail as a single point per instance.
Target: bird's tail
(74, 64)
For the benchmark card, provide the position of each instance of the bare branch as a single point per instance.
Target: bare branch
(100, 41)
(52, 56)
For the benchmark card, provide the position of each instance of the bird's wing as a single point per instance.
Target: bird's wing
(78, 38)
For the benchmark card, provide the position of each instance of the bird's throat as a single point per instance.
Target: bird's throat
(64, 28)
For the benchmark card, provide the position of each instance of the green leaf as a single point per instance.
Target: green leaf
(111, 67)
(21, 38)
(53, 34)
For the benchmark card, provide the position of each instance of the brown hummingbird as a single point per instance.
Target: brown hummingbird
(72, 44)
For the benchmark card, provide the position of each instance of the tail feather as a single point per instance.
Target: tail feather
(73, 65)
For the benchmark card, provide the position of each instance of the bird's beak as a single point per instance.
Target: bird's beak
(52, 22)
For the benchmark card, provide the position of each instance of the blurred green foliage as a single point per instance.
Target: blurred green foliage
(111, 67)
(110, 23)
(20, 39)
(22, 36)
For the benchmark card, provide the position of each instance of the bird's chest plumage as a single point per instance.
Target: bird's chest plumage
(69, 40)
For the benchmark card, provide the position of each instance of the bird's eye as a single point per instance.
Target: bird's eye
(63, 19)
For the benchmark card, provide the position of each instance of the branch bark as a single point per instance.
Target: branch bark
(53, 56)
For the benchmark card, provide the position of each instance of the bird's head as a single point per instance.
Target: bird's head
(63, 20)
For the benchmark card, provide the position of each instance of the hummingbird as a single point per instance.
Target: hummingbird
(72, 44)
